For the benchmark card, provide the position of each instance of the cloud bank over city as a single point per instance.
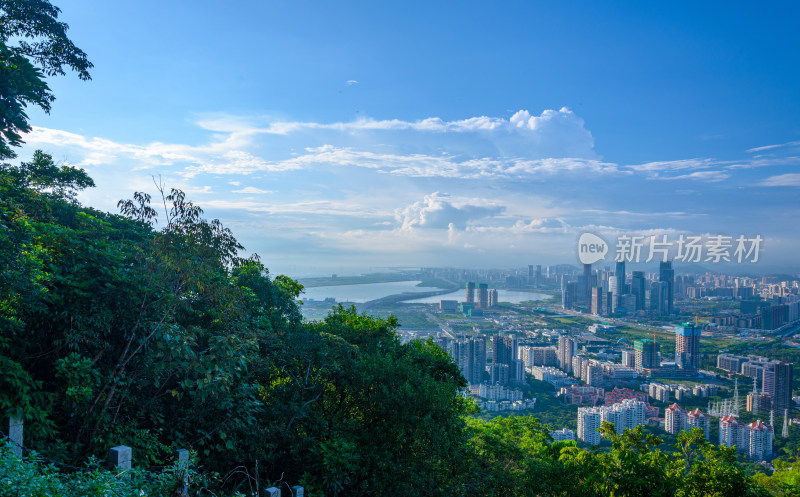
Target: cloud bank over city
(481, 190)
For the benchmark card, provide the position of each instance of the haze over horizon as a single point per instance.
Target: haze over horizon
(335, 138)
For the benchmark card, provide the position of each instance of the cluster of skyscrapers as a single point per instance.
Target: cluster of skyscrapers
(470, 354)
(486, 298)
(611, 293)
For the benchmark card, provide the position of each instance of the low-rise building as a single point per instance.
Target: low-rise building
(580, 394)
(659, 392)
(553, 376)
(563, 434)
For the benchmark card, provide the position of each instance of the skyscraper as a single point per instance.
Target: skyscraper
(566, 349)
(597, 302)
(645, 350)
(505, 355)
(613, 291)
(587, 283)
(622, 288)
(483, 295)
(667, 275)
(658, 298)
(777, 383)
(503, 349)
(569, 294)
(637, 289)
(470, 356)
(493, 297)
(687, 346)
(470, 292)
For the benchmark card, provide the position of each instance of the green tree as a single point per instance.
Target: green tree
(705, 469)
(785, 481)
(33, 45)
(352, 411)
(514, 456)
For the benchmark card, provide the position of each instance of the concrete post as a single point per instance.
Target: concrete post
(121, 457)
(272, 492)
(297, 491)
(183, 466)
(15, 435)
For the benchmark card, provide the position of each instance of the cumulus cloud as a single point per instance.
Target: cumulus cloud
(438, 211)
(553, 133)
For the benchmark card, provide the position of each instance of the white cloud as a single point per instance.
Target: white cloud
(441, 211)
(771, 147)
(252, 190)
(674, 165)
(792, 179)
(198, 190)
(632, 214)
(524, 227)
(315, 207)
(416, 165)
(710, 176)
(766, 162)
(478, 147)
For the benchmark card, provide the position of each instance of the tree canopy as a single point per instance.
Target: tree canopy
(33, 45)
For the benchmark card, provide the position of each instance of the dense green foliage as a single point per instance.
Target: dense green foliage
(34, 477)
(113, 332)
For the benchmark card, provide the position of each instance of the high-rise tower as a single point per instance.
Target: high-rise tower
(645, 351)
(587, 283)
(637, 288)
(777, 382)
(687, 346)
(483, 295)
(470, 299)
(667, 275)
(622, 287)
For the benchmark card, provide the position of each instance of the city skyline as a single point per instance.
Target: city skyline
(346, 137)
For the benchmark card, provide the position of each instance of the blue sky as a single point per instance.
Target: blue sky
(349, 136)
